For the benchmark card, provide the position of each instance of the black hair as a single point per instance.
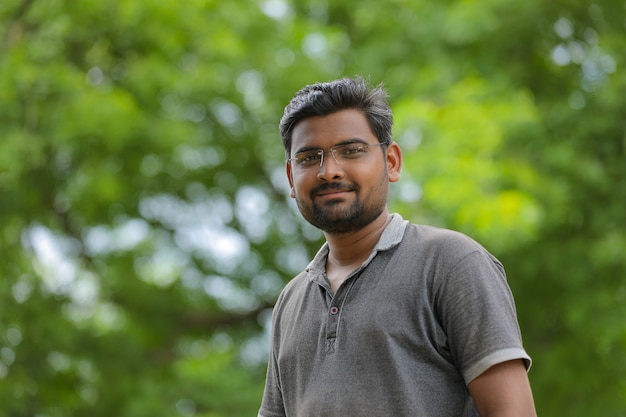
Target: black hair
(322, 99)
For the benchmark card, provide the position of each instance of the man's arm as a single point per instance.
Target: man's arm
(503, 391)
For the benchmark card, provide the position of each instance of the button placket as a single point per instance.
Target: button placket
(336, 305)
(333, 320)
(331, 328)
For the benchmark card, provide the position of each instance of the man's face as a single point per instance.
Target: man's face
(341, 195)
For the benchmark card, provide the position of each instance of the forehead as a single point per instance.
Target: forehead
(325, 131)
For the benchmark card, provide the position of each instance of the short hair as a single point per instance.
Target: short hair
(322, 99)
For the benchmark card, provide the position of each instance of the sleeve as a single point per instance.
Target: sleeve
(478, 313)
(272, 403)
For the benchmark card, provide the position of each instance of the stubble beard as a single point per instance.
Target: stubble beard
(331, 218)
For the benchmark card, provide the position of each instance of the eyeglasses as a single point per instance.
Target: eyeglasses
(343, 153)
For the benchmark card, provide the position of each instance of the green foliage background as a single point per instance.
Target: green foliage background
(145, 224)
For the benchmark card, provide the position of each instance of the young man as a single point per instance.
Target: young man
(390, 318)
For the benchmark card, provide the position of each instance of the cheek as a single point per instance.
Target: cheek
(299, 187)
(373, 176)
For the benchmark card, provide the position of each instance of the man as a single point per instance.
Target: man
(390, 318)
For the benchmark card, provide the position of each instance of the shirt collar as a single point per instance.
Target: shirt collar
(392, 236)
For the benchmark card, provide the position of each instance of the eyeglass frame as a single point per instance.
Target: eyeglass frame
(331, 150)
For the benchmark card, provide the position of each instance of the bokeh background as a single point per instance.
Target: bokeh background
(145, 223)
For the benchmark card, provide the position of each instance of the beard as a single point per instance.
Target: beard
(335, 216)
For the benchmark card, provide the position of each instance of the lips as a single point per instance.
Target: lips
(330, 190)
(332, 196)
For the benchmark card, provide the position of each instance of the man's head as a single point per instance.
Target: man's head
(347, 93)
(340, 154)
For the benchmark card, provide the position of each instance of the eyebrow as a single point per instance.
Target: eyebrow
(343, 142)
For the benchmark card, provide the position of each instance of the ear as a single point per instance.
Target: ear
(394, 162)
(292, 193)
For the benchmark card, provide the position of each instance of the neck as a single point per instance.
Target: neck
(352, 249)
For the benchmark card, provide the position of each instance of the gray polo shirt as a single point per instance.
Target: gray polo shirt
(425, 314)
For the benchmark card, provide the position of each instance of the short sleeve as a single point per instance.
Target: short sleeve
(272, 403)
(478, 314)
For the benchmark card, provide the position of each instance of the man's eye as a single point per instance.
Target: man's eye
(352, 151)
(309, 158)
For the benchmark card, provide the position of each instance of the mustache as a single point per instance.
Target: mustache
(334, 186)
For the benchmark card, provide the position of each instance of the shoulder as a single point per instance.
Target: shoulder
(438, 242)
(296, 285)
(298, 289)
(442, 251)
(312, 274)
(441, 238)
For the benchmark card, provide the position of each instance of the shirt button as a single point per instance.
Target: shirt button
(334, 310)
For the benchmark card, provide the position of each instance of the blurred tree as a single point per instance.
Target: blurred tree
(144, 219)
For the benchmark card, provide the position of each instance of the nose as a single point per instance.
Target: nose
(329, 168)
